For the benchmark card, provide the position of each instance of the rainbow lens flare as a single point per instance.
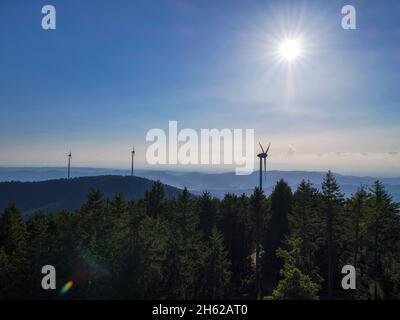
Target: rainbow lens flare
(66, 287)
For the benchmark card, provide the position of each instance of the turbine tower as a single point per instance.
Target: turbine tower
(69, 165)
(263, 158)
(133, 156)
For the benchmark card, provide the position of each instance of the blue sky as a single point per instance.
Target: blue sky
(112, 70)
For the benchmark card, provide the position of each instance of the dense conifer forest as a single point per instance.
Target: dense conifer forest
(191, 247)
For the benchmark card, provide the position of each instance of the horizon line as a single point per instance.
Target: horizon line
(200, 171)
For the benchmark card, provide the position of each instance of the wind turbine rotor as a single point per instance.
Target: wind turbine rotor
(261, 147)
(268, 147)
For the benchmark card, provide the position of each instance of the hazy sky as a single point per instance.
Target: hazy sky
(112, 70)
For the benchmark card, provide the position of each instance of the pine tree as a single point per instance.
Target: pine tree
(185, 250)
(277, 230)
(13, 241)
(13, 233)
(258, 211)
(132, 266)
(357, 211)
(155, 200)
(90, 234)
(38, 252)
(5, 275)
(152, 246)
(306, 224)
(216, 269)
(235, 225)
(294, 285)
(63, 244)
(333, 201)
(207, 211)
(112, 230)
(383, 241)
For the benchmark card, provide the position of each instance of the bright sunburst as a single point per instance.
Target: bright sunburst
(290, 49)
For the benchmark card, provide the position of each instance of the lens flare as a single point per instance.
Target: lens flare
(66, 287)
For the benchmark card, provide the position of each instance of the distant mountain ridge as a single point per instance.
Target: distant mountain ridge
(218, 184)
(63, 194)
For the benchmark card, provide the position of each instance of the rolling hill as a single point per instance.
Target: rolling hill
(218, 184)
(56, 195)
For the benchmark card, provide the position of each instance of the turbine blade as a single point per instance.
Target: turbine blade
(261, 147)
(268, 147)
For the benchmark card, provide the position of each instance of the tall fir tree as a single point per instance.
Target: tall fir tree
(186, 252)
(6, 285)
(38, 253)
(294, 285)
(258, 211)
(13, 241)
(333, 201)
(357, 211)
(383, 234)
(207, 211)
(235, 225)
(277, 230)
(217, 276)
(155, 200)
(306, 223)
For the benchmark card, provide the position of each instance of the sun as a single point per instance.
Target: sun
(290, 49)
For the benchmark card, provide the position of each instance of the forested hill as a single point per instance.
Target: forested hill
(55, 195)
(190, 248)
(218, 184)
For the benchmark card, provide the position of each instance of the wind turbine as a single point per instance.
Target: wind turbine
(69, 165)
(133, 156)
(263, 156)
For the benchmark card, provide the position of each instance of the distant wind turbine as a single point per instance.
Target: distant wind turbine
(263, 156)
(69, 164)
(133, 156)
